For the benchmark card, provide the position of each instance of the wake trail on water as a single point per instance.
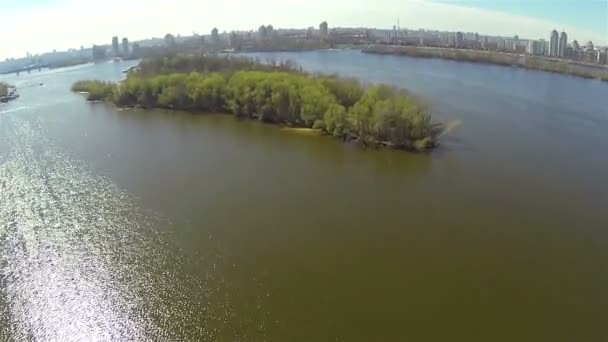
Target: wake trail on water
(12, 110)
(80, 260)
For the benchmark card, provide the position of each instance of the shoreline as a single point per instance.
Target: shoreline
(295, 129)
(529, 62)
(380, 115)
(8, 93)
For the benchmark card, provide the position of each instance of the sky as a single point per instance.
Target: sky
(37, 26)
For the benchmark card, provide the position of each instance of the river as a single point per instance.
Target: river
(167, 226)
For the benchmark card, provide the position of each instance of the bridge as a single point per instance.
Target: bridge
(26, 69)
(29, 68)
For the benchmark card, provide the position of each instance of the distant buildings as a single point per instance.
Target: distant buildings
(599, 57)
(533, 47)
(485, 44)
(459, 40)
(562, 45)
(558, 47)
(125, 47)
(554, 44)
(542, 47)
(575, 47)
(115, 47)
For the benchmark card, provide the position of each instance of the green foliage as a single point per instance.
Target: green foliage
(3, 89)
(215, 36)
(347, 91)
(323, 28)
(96, 90)
(262, 31)
(335, 120)
(169, 40)
(182, 63)
(377, 115)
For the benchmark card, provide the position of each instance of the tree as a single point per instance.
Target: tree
(376, 115)
(323, 28)
(99, 52)
(309, 32)
(169, 40)
(215, 36)
(263, 32)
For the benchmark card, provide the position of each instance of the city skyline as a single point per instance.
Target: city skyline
(64, 24)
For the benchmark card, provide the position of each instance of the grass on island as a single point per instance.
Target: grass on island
(95, 90)
(278, 93)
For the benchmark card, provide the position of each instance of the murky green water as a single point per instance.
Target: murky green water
(132, 225)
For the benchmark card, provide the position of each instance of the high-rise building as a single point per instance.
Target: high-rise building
(562, 45)
(542, 47)
(459, 40)
(115, 48)
(530, 47)
(125, 47)
(553, 44)
(536, 47)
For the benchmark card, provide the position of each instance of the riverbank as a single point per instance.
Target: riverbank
(279, 93)
(507, 59)
(7, 92)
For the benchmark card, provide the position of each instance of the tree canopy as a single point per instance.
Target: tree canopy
(169, 40)
(323, 27)
(276, 93)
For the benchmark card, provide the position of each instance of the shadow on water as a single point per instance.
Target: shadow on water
(277, 140)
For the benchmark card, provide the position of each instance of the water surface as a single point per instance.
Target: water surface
(134, 225)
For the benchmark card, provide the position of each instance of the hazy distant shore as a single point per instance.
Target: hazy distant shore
(508, 59)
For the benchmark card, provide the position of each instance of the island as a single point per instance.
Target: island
(7, 92)
(279, 93)
(561, 66)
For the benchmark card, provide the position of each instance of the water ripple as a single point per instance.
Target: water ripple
(81, 261)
